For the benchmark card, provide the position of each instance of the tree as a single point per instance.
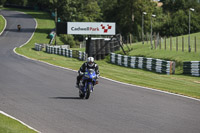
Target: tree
(42, 5)
(16, 2)
(178, 10)
(128, 15)
(91, 11)
(179, 23)
(77, 10)
(2, 2)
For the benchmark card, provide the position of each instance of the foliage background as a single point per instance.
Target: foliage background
(172, 18)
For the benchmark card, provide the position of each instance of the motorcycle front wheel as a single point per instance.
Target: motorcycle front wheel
(88, 91)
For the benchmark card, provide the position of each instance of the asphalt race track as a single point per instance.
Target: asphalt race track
(44, 96)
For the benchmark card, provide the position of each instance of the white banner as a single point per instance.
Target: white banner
(90, 28)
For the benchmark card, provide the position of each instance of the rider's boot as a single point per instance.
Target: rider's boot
(77, 84)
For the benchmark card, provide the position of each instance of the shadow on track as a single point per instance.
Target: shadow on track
(75, 98)
(27, 30)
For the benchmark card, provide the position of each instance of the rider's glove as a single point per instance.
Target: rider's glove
(81, 73)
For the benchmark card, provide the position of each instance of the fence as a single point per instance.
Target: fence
(156, 65)
(176, 43)
(191, 68)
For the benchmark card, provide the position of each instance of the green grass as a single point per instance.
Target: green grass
(185, 85)
(178, 56)
(2, 23)
(180, 84)
(179, 42)
(8, 125)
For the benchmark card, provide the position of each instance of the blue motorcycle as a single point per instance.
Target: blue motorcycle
(87, 83)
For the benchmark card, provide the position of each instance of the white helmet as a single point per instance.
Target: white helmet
(90, 61)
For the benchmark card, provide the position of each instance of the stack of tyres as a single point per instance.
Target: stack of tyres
(88, 47)
(149, 63)
(112, 58)
(144, 63)
(156, 65)
(38, 47)
(191, 68)
(93, 49)
(116, 46)
(125, 60)
(133, 62)
(98, 46)
(102, 48)
(107, 48)
(153, 65)
(129, 61)
(112, 48)
(140, 62)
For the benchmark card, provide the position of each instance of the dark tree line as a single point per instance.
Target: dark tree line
(172, 18)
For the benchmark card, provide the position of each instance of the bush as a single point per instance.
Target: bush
(68, 40)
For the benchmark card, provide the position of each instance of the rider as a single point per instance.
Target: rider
(19, 27)
(90, 64)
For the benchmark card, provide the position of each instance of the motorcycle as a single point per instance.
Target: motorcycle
(86, 85)
(18, 27)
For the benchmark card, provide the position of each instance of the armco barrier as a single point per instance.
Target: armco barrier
(191, 68)
(156, 65)
(65, 52)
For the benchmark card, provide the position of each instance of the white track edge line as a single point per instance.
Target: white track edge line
(166, 92)
(114, 80)
(33, 31)
(5, 24)
(19, 121)
(15, 52)
(101, 76)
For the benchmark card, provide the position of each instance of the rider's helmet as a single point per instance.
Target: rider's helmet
(90, 61)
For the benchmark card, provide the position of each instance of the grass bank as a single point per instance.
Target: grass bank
(185, 85)
(8, 125)
(2, 23)
(144, 50)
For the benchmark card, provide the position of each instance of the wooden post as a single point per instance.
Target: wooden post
(147, 38)
(189, 46)
(155, 42)
(176, 43)
(182, 44)
(127, 40)
(195, 44)
(160, 42)
(170, 43)
(165, 44)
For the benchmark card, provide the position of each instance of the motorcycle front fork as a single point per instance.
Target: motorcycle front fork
(84, 89)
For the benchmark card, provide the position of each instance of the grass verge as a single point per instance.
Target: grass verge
(138, 49)
(8, 125)
(2, 23)
(185, 85)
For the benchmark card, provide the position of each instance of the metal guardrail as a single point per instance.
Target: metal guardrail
(156, 65)
(191, 68)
